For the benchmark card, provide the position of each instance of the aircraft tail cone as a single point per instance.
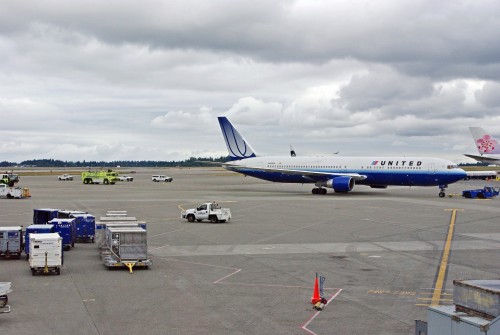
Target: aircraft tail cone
(316, 297)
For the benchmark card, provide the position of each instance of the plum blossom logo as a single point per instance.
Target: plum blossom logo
(486, 144)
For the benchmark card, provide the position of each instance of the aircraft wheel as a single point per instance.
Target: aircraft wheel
(315, 191)
(441, 194)
(323, 190)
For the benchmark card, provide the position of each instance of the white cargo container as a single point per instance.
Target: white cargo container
(46, 253)
(4, 290)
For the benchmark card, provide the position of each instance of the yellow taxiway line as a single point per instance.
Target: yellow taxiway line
(438, 288)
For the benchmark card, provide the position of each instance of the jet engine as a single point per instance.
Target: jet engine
(341, 184)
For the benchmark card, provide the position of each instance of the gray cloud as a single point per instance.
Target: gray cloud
(146, 80)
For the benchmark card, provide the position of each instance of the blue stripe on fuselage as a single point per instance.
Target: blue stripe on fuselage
(393, 178)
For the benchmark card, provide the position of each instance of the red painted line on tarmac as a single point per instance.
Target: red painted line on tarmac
(304, 326)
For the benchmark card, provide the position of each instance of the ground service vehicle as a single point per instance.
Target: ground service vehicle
(11, 192)
(4, 290)
(481, 193)
(98, 177)
(65, 177)
(207, 211)
(9, 179)
(125, 178)
(159, 178)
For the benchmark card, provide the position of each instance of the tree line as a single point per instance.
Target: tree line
(190, 162)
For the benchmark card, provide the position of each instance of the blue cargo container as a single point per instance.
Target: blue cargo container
(85, 227)
(11, 241)
(67, 230)
(35, 229)
(44, 215)
(66, 214)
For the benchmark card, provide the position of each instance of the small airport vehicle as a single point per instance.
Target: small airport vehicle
(98, 177)
(11, 241)
(481, 193)
(46, 253)
(159, 178)
(65, 177)
(11, 192)
(4, 299)
(125, 178)
(9, 179)
(207, 211)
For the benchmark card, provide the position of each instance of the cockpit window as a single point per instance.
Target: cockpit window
(450, 167)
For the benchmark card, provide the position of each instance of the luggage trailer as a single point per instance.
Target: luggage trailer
(11, 241)
(126, 247)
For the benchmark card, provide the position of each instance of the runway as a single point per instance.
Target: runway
(380, 251)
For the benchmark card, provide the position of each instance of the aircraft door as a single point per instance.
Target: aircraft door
(432, 168)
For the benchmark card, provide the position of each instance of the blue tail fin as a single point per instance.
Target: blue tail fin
(237, 146)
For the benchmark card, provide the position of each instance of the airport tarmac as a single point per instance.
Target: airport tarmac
(386, 255)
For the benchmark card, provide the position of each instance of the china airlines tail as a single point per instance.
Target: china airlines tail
(485, 143)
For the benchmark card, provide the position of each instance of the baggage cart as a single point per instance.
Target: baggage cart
(66, 214)
(126, 247)
(35, 229)
(44, 215)
(46, 253)
(4, 299)
(100, 229)
(85, 227)
(67, 230)
(11, 241)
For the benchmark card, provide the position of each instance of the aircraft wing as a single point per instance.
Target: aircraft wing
(484, 159)
(312, 175)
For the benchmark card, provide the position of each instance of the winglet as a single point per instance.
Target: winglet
(237, 146)
(485, 143)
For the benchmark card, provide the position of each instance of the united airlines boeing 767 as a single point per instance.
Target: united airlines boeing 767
(339, 173)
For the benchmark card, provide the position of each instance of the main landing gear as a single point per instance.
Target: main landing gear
(319, 190)
(441, 190)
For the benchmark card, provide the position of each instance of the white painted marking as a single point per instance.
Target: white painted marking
(304, 326)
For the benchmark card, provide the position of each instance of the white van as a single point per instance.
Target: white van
(161, 178)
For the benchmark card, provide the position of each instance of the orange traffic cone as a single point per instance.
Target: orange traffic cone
(316, 297)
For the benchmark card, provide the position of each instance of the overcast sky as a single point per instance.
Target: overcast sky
(146, 80)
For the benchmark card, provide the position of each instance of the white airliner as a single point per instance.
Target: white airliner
(338, 173)
(485, 144)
